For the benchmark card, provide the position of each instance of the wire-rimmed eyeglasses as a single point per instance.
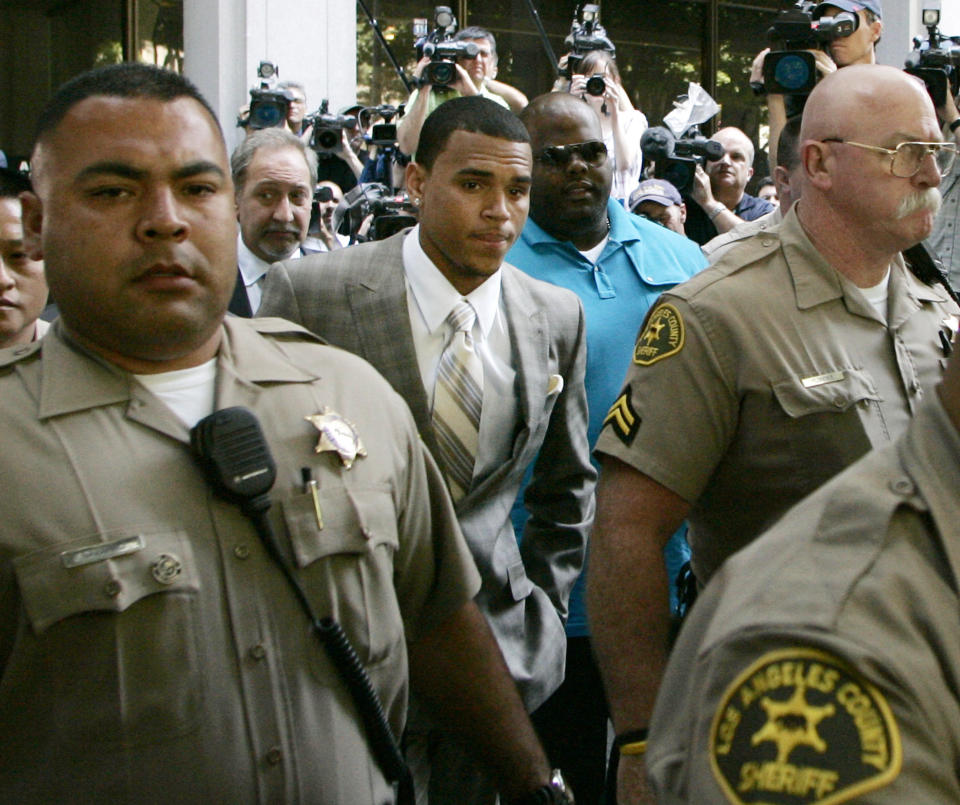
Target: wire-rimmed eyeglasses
(907, 158)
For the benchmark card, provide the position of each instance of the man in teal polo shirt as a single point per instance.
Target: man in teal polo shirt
(579, 238)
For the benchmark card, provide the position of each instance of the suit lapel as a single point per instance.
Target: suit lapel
(378, 304)
(529, 347)
(240, 302)
(529, 343)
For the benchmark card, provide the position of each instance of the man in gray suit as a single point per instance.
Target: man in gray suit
(389, 302)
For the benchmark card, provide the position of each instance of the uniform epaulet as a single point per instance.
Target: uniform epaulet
(743, 254)
(13, 355)
(272, 326)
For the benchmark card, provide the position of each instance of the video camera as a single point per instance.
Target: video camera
(390, 213)
(268, 106)
(439, 47)
(327, 134)
(676, 159)
(586, 34)
(791, 70)
(936, 61)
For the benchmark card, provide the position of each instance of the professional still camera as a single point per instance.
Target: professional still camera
(326, 138)
(586, 34)
(936, 61)
(789, 69)
(438, 45)
(268, 106)
(388, 213)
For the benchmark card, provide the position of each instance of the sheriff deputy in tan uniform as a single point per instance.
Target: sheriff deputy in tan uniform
(821, 663)
(758, 380)
(150, 649)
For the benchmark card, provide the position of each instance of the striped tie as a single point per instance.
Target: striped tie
(456, 401)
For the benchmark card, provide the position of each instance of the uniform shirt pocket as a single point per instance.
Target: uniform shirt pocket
(115, 632)
(347, 565)
(823, 392)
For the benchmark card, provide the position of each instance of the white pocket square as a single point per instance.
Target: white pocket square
(554, 385)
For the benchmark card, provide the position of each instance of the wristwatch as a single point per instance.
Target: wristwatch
(556, 792)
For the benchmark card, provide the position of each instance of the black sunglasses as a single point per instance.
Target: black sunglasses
(593, 152)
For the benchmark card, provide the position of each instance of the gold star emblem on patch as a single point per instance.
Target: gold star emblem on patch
(792, 723)
(662, 336)
(800, 726)
(337, 434)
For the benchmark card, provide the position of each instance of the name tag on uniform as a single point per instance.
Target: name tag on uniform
(821, 380)
(102, 552)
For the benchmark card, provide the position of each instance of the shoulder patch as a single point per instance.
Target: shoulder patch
(622, 419)
(802, 726)
(662, 336)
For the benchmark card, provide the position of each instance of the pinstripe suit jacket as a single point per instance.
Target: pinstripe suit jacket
(356, 298)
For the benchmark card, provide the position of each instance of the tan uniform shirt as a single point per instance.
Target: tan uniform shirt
(822, 662)
(765, 375)
(150, 651)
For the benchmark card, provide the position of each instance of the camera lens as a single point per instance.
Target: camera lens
(793, 73)
(327, 139)
(442, 73)
(266, 114)
(596, 85)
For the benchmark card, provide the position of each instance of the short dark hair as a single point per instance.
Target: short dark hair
(127, 80)
(788, 144)
(474, 114)
(476, 32)
(13, 183)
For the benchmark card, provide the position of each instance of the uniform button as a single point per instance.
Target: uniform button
(166, 569)
(902, 486)
(274, 755)
(840, 402)
(112, 588)
(766, 242)
(241, 551)
(258, 652)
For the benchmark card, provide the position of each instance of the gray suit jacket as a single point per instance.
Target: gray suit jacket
(356, 298)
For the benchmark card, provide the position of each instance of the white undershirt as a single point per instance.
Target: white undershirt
(877, 294)
(594, 253)
(189, 393)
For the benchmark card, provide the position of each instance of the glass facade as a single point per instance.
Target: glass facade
(45, 42)
(662, 45)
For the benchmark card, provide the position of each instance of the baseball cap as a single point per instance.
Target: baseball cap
(851, 5)
(655, 190)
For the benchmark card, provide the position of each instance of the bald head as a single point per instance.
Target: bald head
(544, 110)
(848, 100)
(569, 194)
(732, 137)
(856, 210)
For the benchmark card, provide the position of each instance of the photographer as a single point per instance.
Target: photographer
(718, 189)
(298, 105)
(621, 124)
(475, 76)
(858, 48)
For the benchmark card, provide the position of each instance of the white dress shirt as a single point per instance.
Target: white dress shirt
(430, 298)
(253, 270)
